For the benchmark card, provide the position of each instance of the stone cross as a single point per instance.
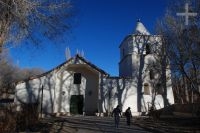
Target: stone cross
(187, 14)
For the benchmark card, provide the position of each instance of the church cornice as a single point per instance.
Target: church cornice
(121, 77)
(136, 35)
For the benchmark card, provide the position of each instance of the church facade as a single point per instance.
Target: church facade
(79, 87)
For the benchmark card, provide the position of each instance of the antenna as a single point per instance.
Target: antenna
(80, 52)
(67, 53)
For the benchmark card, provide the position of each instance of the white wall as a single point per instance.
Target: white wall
(119, 91)
(54, 90)
(89, 87)
(27, 92)
(123, 92)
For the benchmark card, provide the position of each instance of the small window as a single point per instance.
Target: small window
(151, 74)
(146, 89)
(77, 78)
(148, 50)
(159, 89)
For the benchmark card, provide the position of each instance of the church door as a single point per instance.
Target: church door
(76, 104)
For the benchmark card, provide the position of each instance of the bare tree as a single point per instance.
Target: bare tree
(31, 19)
(10, 73)
(6, 74)
(182, 45)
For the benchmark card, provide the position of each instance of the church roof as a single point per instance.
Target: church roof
(140, 29)
(91, 65)
(77, 57)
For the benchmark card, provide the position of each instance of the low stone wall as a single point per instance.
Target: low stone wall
(187, 108)
(192, 109)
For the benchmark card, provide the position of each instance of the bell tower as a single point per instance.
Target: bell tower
(131, 47)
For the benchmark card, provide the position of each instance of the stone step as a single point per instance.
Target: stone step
(100, 125)
(106, 124)
(164, 127)
(95, 125)
(104, 128)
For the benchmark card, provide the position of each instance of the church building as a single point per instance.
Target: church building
(79, 87)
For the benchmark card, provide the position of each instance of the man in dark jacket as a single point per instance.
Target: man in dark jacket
(128, 115)
(117, 113)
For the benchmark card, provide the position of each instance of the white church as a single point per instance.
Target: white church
(79, 87)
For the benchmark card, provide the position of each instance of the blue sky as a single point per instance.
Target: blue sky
(98, 29)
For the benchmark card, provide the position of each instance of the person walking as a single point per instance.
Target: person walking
(117, 113)
(128, 115)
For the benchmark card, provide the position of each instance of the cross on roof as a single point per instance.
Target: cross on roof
(187, 14)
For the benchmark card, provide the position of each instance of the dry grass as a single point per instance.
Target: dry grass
(7, 119)
(12, 121)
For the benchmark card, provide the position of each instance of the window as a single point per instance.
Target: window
(151, 74)
(148, 49)
(146, 89)
(159, 89)
(77, 78)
